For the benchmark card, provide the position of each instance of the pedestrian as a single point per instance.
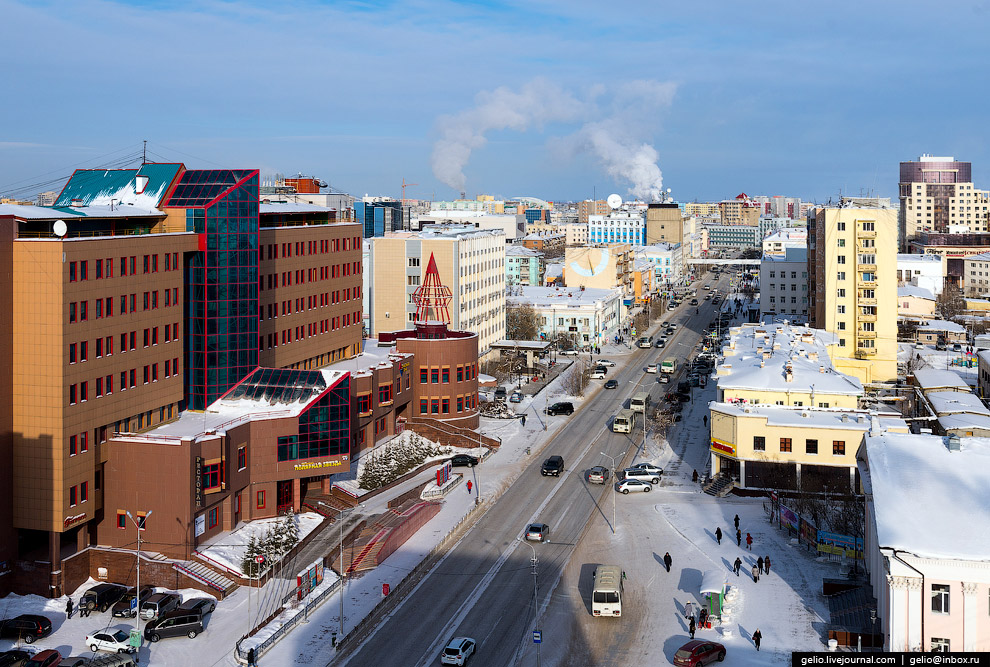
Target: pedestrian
(83, 609)
(703, 617)
(766, 565)
(749, 541)
(756, 574)
(68, 608)
(691, 627)
(705, 419)
(689, 611)
(757, 637)
(737, 565)
(469, 487)
(759, 564)
(737, 523)
(251, 657)
(718, 534)
(738, 538)
(667, 560)
(522, 419)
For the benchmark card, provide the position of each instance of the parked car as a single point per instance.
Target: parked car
(641, 474)
(560, 408)
(500, 394)
(570, 353)
(126, 607)
(112, 660)
(606, 362)
(553, 466)
(627, 485)
(456, 460)
(204, 606)
(49, 658)
(919, 345)
(102, 596)
(599, 373)
(598, 475)
(956, 347)
(14, 658)
(649, 467)
(457, 651)
(26, 627)
(106, 640)
(699, 652)
(612, 384)
(516, 397)
(75, 661)
(538, 532)
(175, 623)
(158, 604)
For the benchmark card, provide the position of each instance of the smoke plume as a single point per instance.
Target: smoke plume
(613, 127)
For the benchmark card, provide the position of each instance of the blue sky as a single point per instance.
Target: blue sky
(772, 97)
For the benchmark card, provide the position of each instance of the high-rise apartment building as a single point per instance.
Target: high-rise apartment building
(852, 263)
(471, 263)
(590, 207)
(740, 211)
(937, 196)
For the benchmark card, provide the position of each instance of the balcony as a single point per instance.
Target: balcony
(863, 234)
(866, 317)
(868, 284)
(865, 334)
(862, 301)
(872, 268)
(864, 352)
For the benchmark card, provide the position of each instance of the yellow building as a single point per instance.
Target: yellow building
(608, 267)
(852, 263)
(701, 209)
(810, 449)
(664, 224)
(915, 302)
(590, 207)
(740, 211)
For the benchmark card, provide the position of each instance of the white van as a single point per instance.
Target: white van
(623, 422)
(606, 597)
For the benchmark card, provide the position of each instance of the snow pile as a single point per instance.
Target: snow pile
(402, 454)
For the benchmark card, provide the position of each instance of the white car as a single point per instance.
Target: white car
(605, 362)
(598, 374)
(116, 641)
(570, 353)
(457, 651)
(627, 485)
(652, 368)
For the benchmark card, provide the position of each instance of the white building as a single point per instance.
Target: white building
(925, 546)
(617, 227)
(784, 286)
(513, 226)
(589, 316)
(667, 261)
(921, 271)
(789, 237)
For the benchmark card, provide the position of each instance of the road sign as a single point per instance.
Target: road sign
(259, 559)
(537, 636)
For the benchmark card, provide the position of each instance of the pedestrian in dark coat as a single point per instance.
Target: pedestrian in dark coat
(718, 535)
(691, 627)
(738, 538)
(749, 541)
(737, 523)
(703, 617)
(757, 637)
(251, 658)
(667, 560)
(83, 609)
(759, 564)
(766, 565)
(737, 565)
(756, 574)
(68, 608)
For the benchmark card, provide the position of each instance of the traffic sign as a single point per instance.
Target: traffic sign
(537, 636)
(259, 559)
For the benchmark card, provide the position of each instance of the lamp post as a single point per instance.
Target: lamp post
(340, 519)
(873, 618)
(614, 481)
(139, 525)
(536, 604)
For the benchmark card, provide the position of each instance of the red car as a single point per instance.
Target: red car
(49, 658)
(699, 652)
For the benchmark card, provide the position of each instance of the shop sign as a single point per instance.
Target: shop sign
(404, 367)
(314, 465)
(720, 446)
(199, 481)
(70, 520)
(200, 525)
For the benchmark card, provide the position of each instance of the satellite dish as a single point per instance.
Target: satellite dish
(60, 228)
(614, 201)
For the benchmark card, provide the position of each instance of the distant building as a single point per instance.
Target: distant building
(791, 237)
(590, 207)
(47, 198)
(952, 249)
(668, 262)
(976, 274)
(937, 196)
(523, 266)
(722, 237)
(584, 316)
(605, 267)
(701, 209)
(784, 286)
(915, 302)
(576, 233)
(740, 211)
(925, 271)
(544, 243)
(617, 227)
(664, 224)
(378, 215)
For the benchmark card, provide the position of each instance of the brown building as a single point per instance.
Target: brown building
(590, 207)
(664, 223)
(740, 211)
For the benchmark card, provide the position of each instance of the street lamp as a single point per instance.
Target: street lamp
(139, 525)
(873, 618)
(614, 481)
(340, 519)
(536, 604)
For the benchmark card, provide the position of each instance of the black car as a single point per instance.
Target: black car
(464, 460)
(14, 658)
(201, 606)
(561, 408)
(26, 627)
(612, 384)
(102, 596)
(123, 607)
(553, 466)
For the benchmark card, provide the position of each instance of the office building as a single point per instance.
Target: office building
(378, 215)
(937, 196)
(590, 207)
(585, 317)
(617, 227)
(740, 211)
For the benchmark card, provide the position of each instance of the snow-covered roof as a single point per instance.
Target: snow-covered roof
(951, 402)
(372, 355)
(790, 255)
(288, 207)
(917, 292)
(941, 325)
(933, 378)
(554, 270)
(982, 257)
(757, 357)
(521, 251)
(545, 237)
(928, 500)
(67, 213)
(713, 581)
(964, 420)
(909, 257)
(783, 415)
(561, 297)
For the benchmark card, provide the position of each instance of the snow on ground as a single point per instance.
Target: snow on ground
(228, 549)
(351, 485)
(941, 360)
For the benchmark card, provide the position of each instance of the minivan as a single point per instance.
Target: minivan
(159, 604)
(174, 624)
(102, 596)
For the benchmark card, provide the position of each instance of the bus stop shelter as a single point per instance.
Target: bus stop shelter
(713, 585)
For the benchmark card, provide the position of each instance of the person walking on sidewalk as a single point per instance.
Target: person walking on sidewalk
(737, 565)
(737, 523)
(759, 564)
(766, 565)
(756, 574)
(749, 541)
(691, 627)
(738, 538)
(667, 561)
(689, 610)
(469, 487)
(718, 534)
(68, 608)
(757, 638)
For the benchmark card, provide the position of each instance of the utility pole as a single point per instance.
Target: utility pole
(536, 602)
(139, 524)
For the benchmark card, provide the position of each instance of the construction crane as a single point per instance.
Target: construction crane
(404, 186)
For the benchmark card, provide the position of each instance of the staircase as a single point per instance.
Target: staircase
(206, 575)
(719, 486)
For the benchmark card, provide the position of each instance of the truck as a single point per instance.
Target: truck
(640, 402)
(668, 365)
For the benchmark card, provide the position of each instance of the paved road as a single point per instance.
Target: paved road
(484, 587)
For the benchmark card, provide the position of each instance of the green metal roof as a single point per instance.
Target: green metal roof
(94, 187)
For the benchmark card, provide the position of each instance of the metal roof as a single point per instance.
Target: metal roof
(106, 186)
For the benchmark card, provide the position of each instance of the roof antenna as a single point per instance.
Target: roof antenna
(144, 153)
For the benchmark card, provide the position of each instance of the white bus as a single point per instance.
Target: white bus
(623, 422)
(606, 598)
(640, 402)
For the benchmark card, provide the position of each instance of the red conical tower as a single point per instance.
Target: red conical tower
(432, 296)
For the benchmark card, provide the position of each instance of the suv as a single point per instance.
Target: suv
(175, 623)
(500, 394)
(553, 466)
(49, 658)
(26, 627)
(126, 607)
(561, 408)
(457, 651)
(158, 604)
(641, 474)
(598, 475)
(599, 373)
(102, 597)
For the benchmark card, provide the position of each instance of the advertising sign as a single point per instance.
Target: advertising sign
(841, 545)
(200, 525)
(808, 533)
(788, 518)
(198, 473)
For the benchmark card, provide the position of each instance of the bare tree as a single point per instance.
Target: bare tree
(576, 378)
(522, 322)
(950, 302)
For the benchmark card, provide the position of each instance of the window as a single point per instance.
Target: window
(72, 445)
(260, 502)
(122, 520)
(384, 394)
(214, 518)
(810, 446)
(445, 406)
(424, 375)
(840, 259)
(212, 475)
(939, 645)
(460, 373)
(785, 444)
(84, 492)
(435, 375)
(759, 443)
(841, 292)
(364, 404)
(841, 226)
(838, 447)
(435, 406)
(72, 496)
(940, 598)
(241, 452)
(72, 353)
